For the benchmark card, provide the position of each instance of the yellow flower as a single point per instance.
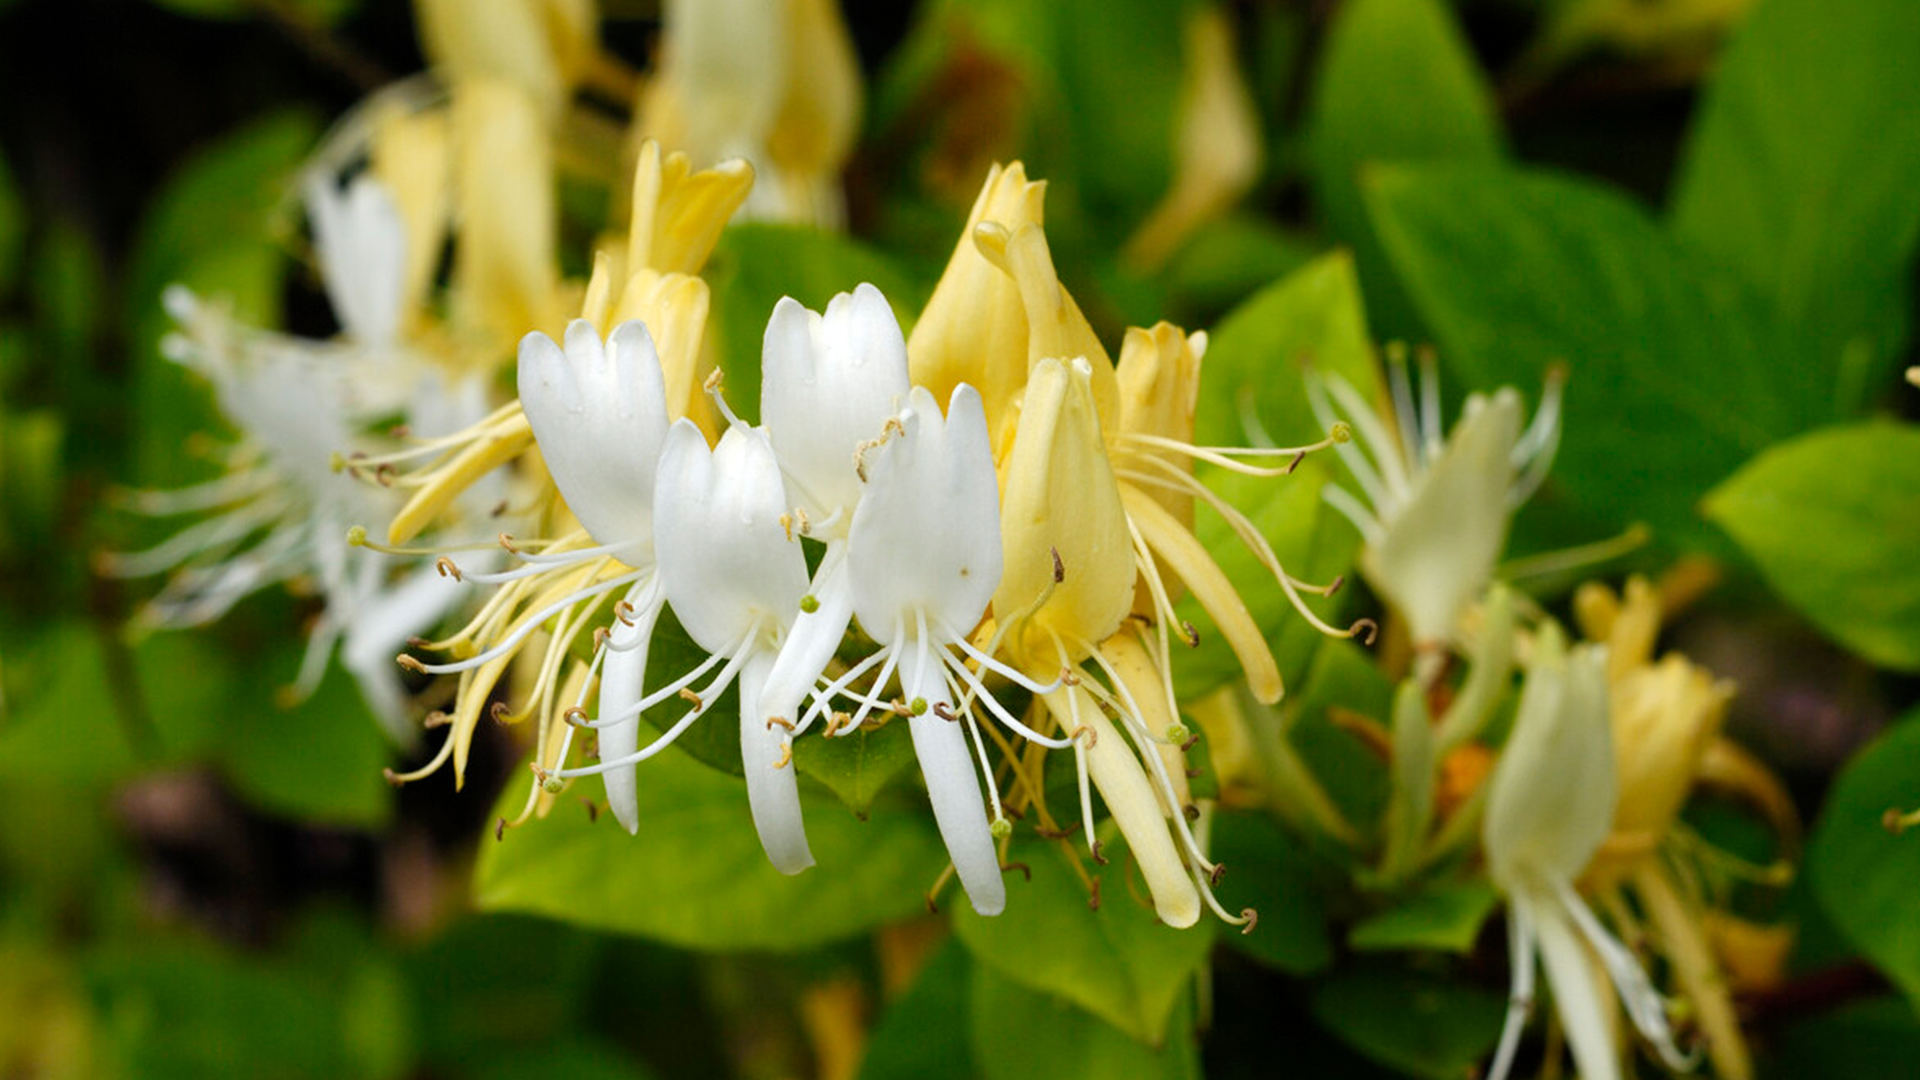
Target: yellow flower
(541, 46)
(506, 266)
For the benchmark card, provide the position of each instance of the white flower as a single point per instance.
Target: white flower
(361, 243)
(1549, 806)
(923, 560)
(1436, 507)
(827, 385)
(735, 583)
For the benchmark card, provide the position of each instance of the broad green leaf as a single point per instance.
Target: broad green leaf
(858, 765)
(1677, 376)
(1119, 963)
(1397, 83)
(695, 875)
(1876, 1039)
(1344, 678)
(1227, 260)
(496, 981)
(212, 227)
(918, 1036)
(1445, 917)
(319, 760)
(1023, 1034)
(1258, 353)
(1270, 872)
(1118, 68)
(1833, 520)
(1423, 1024)
(61, 719)
(1801, 170)
(1862, 873)
(754, 265)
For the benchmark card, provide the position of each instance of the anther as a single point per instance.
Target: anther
(945, 712)
(1371, 628)
(1069, 677)
(806, 526)
(1093, 896)
(786, 756)
(1092, 737)
(500, 713)
(593, 810)
(1189, 744)
(399, 431)
(899, 707)
(1025, 870)
(575, 717)
(407, 661)
(383, 474)
(780, 721)
(393, 778)
(435, 719)
(1189, 632)
(932, 908)
(1056, 834)
(1097, 857)
(1192, 812)
(500, 831)
(499, 509)
(600, 636)
(1293, 463)
(447, 568)
(506, 539)
(1253, 920)
(693, 699)
(786, 526)
(1059, 568)
(1214, 875)
(1334, 585)
(1193, 773)
(624, 612)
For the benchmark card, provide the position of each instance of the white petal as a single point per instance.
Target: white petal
(812, 640)
(361, 244)
(827, 384)
(622, 684)
(1440, 548)
(952, 785)
(1553, 792)
(725, 561)
(1576, 994)
(773, 794)
(376, 631)
(926, 535)
(599, 414)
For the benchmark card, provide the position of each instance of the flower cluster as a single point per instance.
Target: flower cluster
(1000, 516)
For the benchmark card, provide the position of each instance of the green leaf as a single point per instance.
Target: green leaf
(1397, 83)
(1255, 356)
(320, 760)
(1445, 917)
(1801, 170)
(1833, 520)
(1877, 1039)
(917, 1038)
(695, 875)
(1270, 872)
(754, 265)
(1120, 963)
(61, 719)
(1022, 1034)
(1343, 677)
(1422, 1024)
(1677, 376)
(1864, 874)
(859, 765)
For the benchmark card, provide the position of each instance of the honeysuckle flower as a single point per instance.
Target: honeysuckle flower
(1666, 716)
(361, 245)
(1435, 505)
(1549, 806)
(735, 583)
(974, 327)
(505, 265)
(924, 559)
(829, 383)
(1217, 156)
(771, 81)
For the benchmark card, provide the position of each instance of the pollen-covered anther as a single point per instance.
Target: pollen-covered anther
(1192, 741)
(447, 567)
(1059, 568)
(623, 611)
(1252, 917)
(692, 699)
(593, 810)
(576, 717)
(1093, 896)
(1086, 736)
(1069, 677)
(392, 778)
(506, 541)
(1192, 811)
(1026, 872)
(436, 719)
(945, 712)
(408, 661)
(1368, 626)
(780, 722)
(786, 756)
(600, 636)
(1097, 857)
(499, 712)
(1190, 633)
(1219, 871)
(786, 526)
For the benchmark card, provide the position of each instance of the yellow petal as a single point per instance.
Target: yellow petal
(1159, 385)
(1055, 327)
(974, 328)
(1059, 496)
(678, 213)
(1145, 682)
(539, 46)
(412, 155)
(505, 278)
(819, 115)
(674, 307)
